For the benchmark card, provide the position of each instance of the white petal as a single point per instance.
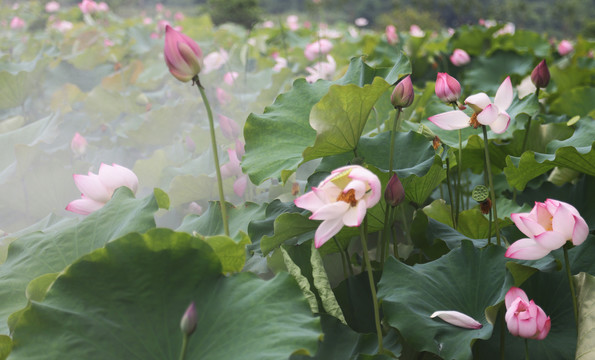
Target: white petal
(458, 319)
(451, 120)
(501, 123)
(488, 115)
(526, 249)
(331, 211)
(355, 215)
(478, 102)
(504, 95)
(327, 230)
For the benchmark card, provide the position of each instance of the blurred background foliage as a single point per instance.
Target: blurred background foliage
(559, 18)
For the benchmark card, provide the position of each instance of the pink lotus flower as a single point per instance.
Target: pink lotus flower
(102, 7)
(459, 57)
(403, 95)
(17, 23)
(322, 70)
(447, 88)
(548, 226)
(391, 34)
(416, 31)
(523, 317)
(233, 168)
(182, 55)
(178, 16)
(222, 96)
(108, 43)
(52, 6)
(281, 63)
(88, 6)
(98, 189)
(159, 7)
(341, 200)
(229, 128)
(361, 22)
(230, 77)
(215, 60)
(147, 21)
(320, 47)
(486, 112)
(293, 22)
(565, 47)
(457, 319)
(78, 144)
(62, 25)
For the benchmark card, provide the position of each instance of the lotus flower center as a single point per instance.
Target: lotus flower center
(348, 197)
(473, 121)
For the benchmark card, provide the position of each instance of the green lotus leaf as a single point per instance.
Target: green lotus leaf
(54, 248)
(576, 101)
(585, 293)
(467, 279)
(126, 300)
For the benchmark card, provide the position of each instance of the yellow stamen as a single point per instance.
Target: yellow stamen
(348, 197)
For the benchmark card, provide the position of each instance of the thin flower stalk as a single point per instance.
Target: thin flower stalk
(571, 283)
(491, 184)
(363, 235)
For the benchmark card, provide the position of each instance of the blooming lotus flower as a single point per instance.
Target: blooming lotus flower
(457, 319)
(341, 200)
(322, 70)
(62, 25)
(523, 317)
(293, 22)
(52, 6)
(230, 77)
(565, 47)
(97, 189)
(447, 88)
(102, 7)
(391, 34)
(402, 95)
(361, 21)
(416, 31)
(78, 144)
(486, 112)
(88, 6)
(281, 63)
(548, 226)
(182, 55)
(459, 57)
(17, 23)
(215, 60)
(313, 50)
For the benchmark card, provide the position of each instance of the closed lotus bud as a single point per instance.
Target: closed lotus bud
(78, 144)
(540, 76)
(182, 55)
(394, 193)
(447, 88)
(403, 95)
(189, 320)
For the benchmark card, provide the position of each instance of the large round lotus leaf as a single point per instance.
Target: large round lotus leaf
(467, 279)
(125, 301)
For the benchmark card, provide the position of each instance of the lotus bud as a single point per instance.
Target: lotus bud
(188, 322)
(447, 88)
(182, 55)
(540, 76)
(459, 57)
(565, 47)
(394, 192)
(78, 144)
(402, 95)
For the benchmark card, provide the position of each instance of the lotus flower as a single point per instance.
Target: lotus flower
(416, 31)
(548, 226)
(293, 22)
(182, 55)
(52, 6)
(341, 200)
(402, 95)
(565, 47)
(457, 319)
(189, 320)
(459, 57)
(97, 189)
(78, 144)
(230, 77)
(88, 6)
(215, 60)
(17, 23)
(313, 50)
(447, 88)
(233, 168)
(486, 112)
(523, 317)
(540, 76)
(229, 127)
(322, 70)
(391, 34)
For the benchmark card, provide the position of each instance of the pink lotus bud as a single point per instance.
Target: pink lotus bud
(523, 317)
(194, 208)
(459, 57)
(182, 55)
(162, 24)
(88, 6)
(97, 189)
(147, 21)
(189, 320)
(394, 192)
(239, 186)
(17, 23)
(402, 95)
(178, 16)
(52, 6)
(447, 88)
(102, 7)
(457, 318)
(391, 34)
(108, 43)
(416, 31)
(240, 148)
(293, 22)
(565, 47)
(313, 50)
(222, 96)
(229, 128)
(230, 77)
(540, 76)
(78, 144)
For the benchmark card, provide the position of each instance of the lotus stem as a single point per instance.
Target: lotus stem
(491, 183)
(571, 283)
(184, 347)
(215, 157)
(363, 231)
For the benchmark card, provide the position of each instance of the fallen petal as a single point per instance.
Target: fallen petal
(458, 319)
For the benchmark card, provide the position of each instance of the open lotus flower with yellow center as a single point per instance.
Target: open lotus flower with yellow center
(485, 112)
(341, 199)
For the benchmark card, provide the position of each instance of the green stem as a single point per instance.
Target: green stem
(215, 156)
(342, 257)
(526, 349)
(384, 244)
(372, 286)
(184, 347)
(392, 141)
(571, 283)
(491, 183)
(460, 174)
(452, 205)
